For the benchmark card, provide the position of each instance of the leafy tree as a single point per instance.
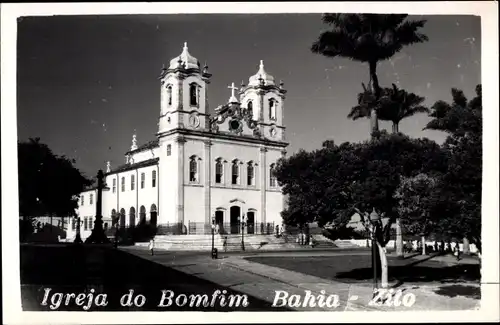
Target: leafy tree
(329, 185)
(368, 38)
(461, 186)
(416, 201)
(394, 105)
(48, 184)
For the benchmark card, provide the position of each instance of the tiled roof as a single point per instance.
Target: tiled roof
(127, 167)
(147, 146)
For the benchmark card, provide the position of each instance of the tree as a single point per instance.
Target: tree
(416, 201)
(368, 38)
(394, 105)
(329, 185)
(48, 184)
(461, 186)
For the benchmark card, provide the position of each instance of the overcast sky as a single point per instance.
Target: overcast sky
(86, 82)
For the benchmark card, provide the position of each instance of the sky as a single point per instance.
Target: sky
(86, 83)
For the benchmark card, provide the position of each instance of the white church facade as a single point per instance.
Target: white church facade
(201, 168)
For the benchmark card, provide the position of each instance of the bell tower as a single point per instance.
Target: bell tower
(265, 100)
(184, 103)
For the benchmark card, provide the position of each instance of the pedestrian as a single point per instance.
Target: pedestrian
(224, 243)
(152, 246)
(217, 229)
(457, 251)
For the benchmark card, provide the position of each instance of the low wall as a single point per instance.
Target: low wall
(392, 244)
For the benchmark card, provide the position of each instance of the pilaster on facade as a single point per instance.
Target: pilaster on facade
(207, 178)
(263, 168)
(180, 179)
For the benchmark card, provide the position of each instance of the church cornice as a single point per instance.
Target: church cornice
(128, 167)
(263, 88)
(225, 136)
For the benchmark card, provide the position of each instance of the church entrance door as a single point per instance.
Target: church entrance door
(219, 220)
(235, 219)
(251, 222)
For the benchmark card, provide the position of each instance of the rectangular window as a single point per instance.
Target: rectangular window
(82, 200)
(85, 223)
(90, 221)
(91, 199)
(114, 185)
(143, 180)
(132, 182)
(153, 180)
(123, 184)
(169, 149)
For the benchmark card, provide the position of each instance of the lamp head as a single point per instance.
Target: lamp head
(374, 216)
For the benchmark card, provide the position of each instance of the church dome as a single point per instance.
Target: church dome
(268, 79)
(189, 61)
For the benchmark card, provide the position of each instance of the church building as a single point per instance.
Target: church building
(201, 168)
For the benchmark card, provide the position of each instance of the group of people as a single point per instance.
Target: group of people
(441, 247)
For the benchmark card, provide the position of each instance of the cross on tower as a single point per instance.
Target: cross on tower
(233, 88)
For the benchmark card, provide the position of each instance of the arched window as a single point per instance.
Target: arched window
(122, 218)
(272, 109)
(250, 109)
(193, 94)
(235, 172)
(123, 184)
(131, 220)
(85, 225)
(142, 215)
(114, 185)
(132, 182)
(169, 149)
(219, 171)
(272, 176)
(143, 180)
(169, 94)
(114, 218)
(250, 174)
(193, 169)
(154, 215)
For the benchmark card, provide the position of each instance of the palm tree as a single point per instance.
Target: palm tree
(368, 38)
(397, 104)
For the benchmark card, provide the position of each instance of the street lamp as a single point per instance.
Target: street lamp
(78, 238)
(243, 223)
(374, 219)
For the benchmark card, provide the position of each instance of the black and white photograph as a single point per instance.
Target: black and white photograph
(254, 157)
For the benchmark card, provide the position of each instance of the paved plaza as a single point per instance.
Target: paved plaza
(262, 275)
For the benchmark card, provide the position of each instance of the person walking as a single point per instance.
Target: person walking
(224, 243)
(152, 246)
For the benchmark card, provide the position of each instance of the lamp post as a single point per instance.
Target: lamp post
(243, 232)
(78, 238)
(374, 219)
(98, 236)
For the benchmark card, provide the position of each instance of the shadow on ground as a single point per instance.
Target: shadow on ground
(460, 290)
(357, 269)
(78, 269)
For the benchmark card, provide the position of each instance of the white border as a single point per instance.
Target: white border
(10, 248)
